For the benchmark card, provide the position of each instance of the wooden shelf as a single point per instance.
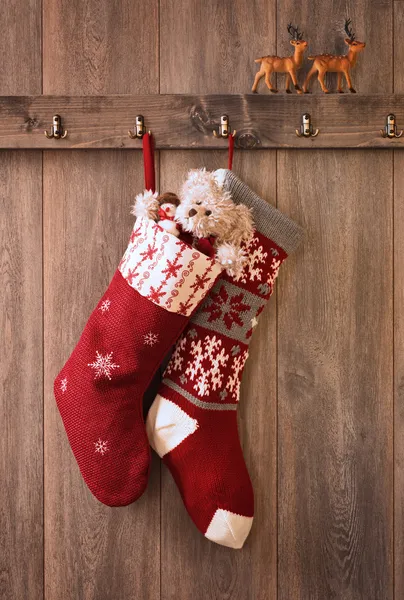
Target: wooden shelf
(187, 121)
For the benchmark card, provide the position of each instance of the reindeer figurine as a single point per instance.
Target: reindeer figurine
(288, 64)
(324, 63)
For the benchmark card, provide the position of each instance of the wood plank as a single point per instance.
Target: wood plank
(217, 62)
(93, 47)
(335, 339)
(188, 121)
(398, 322)
(21, 381)
(20, 47)
(335, 374)
(21, 472)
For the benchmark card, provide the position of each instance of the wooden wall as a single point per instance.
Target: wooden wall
(321, 415)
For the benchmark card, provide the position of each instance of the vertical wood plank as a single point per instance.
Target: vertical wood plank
(334, 351)
(21, 469)
(93, 47)
(21, 408)
(335, 379)
(211, 49)
(398, 217)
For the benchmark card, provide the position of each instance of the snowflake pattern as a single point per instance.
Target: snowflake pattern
(226, 307)
(204, 367)
(101, 446)
(255, 262)
(233, 383)
(177, 358)
(105, 306)
(63, 385)
(103, 365)
(150, 338)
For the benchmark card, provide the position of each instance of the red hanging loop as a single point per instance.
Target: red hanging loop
(148, 162)
(231, 151)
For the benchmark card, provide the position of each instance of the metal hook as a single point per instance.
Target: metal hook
(306, 128)
(224, 128)
(390, 129)
(139, 130)
(56, 129)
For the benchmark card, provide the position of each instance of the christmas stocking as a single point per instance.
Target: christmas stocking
(159, 283)
(192, 423)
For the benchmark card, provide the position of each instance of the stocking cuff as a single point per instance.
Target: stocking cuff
(268, 220)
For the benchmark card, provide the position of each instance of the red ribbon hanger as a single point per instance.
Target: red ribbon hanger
(148, 162)
(231, 151)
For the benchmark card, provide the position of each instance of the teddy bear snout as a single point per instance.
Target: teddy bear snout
(208, 213)
(192, 212)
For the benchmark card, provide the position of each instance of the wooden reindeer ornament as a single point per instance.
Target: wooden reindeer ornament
(288, 64)
(342, 65)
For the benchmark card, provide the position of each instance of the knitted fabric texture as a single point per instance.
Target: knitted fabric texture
(159, 283)
(192, 423)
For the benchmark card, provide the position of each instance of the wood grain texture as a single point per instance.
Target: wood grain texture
(210, 47)
(335, 379)
(20, 47)
(188, 121)
(21, 370)
(100, 47)
(398, 321)
(95, 47)
(21, 469)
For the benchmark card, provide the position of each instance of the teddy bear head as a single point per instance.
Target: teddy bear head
(206, 209)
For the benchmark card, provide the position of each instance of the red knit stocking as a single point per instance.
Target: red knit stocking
(99, 391)
(192, 423)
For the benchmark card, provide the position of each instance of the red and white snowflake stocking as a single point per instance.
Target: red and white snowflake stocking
(159, 283)
(192, 423)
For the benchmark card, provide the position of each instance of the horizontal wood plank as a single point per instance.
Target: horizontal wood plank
(188, 121)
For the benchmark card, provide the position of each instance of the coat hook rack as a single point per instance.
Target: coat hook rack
(390, 129)
(224, 128)
(56, 131)
(306, 128)
(139, 130)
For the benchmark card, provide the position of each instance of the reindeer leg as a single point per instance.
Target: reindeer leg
(257, 80)
(294, 79)
(339, 87)
(268, 74)
(310, 74)
(288, 90)
(321, 76)
(349, 82)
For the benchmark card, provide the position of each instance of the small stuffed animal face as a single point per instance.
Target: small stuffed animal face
(167, 210)
(204, 209)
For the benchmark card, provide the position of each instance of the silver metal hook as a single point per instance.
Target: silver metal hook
(306, 128)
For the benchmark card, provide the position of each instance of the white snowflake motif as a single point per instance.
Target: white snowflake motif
(207, 378)
(103, 365)
(255, 259)
(150, 338)
(101, 447)
(233, 384)
(274, 274)
(105, 306)
(63, 385)
(177, 358)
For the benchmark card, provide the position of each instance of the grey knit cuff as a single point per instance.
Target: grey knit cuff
(267, 220)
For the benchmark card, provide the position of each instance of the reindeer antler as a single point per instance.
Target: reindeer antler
(294, 32)
(348, 31)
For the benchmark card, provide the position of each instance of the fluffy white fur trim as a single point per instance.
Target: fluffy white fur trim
(146, 205)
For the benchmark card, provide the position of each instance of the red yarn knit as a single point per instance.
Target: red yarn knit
(99, 391)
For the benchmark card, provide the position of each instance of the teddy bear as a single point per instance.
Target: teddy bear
(207, 217)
